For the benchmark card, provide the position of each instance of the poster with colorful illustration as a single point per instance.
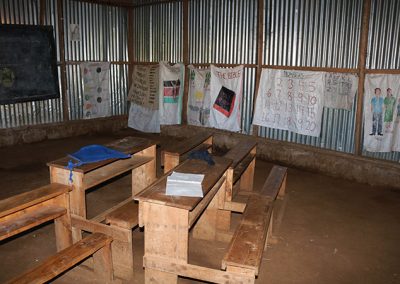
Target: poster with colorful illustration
(381, 113)
(198, 108)
(290, 100)
(143, 95)
(96, 94)
(226, 89)
(340, 90)
(171, 84)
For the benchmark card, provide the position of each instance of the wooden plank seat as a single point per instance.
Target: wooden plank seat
(172, 156)
(249, 240)
(95, 244)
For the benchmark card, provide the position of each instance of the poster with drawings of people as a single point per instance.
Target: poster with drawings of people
(198, 108)
(96, 94)
(381, 106)
(171, 84)
(226, 87)
(143, 95)
(340, 90)
(290, 100)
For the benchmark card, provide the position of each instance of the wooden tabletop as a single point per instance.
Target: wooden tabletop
(187, 144)
(240, 151)
(156, 193)
(127, 145)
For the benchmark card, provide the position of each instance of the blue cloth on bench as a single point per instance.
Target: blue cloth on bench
(92, 154)
(202, 155)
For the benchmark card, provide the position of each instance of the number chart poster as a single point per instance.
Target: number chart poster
(290, 100)
(96, 81)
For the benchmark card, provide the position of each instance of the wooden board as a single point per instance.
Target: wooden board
(21, 201)
(13, 226)
(125, 216)
(241, 167)
(240, 151)
(127, 145)
(188, 144)
(64, 260)
(274, 182)
(247, 245)
(156, 192)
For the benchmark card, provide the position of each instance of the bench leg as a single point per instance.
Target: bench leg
(62, 224)
(102, 262)
(170, 162)
(247, 178)
(122, 253)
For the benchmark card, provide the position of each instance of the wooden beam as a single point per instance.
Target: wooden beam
(185, 43)
(131, 53)
(361, 75)
(42, 12)
(63, 71)
(260, 36)
(123, 3)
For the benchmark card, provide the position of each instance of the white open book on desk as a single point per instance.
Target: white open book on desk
(181, 184)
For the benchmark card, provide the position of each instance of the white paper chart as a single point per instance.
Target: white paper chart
(290, 100)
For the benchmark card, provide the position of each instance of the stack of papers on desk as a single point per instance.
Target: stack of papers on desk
(181, 184)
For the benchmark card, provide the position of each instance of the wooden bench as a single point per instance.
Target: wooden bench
(171, 157)
(241, 170)
(98, 245)
(51, 202)
(30, 209)
(249, 241)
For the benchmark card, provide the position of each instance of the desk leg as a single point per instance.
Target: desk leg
(76, 196)
(166, 237)
(247, 178)
(146, 174)
(63, 224)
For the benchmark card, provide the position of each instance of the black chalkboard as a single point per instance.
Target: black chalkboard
(28, 64)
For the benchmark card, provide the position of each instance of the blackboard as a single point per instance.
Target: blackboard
(28, 64)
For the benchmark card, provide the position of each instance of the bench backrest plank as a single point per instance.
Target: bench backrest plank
(274, 182)
(188, 144)
(64, 260)
(24, 200)
(240, 151)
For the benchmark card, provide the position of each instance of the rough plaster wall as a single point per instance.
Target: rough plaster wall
(36, 133)
(360, 169)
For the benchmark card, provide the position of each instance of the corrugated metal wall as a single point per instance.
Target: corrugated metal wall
(318, 34)
(28, 113)
(103, 38)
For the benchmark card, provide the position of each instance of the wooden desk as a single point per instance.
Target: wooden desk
(142, 163)
(168, 219)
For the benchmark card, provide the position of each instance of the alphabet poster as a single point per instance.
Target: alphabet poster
(226, 97)
(290, 100)
(171, 83)
(143, 94)
(340, 90)
(382, 113)
(96, 90)
(198, 108)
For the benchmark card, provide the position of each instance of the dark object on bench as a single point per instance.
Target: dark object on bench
(202, 155)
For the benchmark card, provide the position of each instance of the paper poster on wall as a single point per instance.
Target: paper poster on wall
(171, 83)
(143, 94)
(381, 113)
(74, 32)
(226, 89)
(340, 90)
(290, 100)
(198, 108)
(96, 94)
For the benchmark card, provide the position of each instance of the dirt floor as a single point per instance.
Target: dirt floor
(328, 230)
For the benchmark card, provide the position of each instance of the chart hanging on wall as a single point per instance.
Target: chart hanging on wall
(290, 100)
(143, 95)
(96, 90)
(28, 64)
(340, 90)
(171, 82)
(226, 89)
(198, 108)
(382, 113)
